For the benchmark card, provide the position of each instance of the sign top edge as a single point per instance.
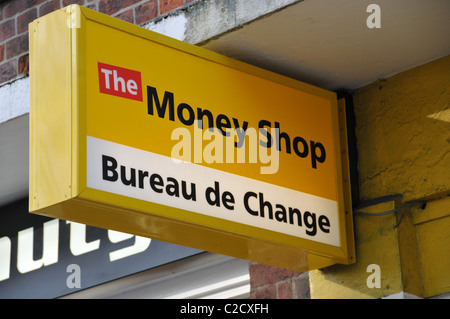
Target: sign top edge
(84, 13)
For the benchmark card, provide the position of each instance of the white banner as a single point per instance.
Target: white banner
(139, 174)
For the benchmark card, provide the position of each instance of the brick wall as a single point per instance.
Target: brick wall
(268, 282)
(15, 15)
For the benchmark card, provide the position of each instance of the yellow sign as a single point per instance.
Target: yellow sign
(134, 131)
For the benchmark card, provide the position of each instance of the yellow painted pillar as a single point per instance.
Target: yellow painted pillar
(376, 248)
(403, 138)
(433, 236)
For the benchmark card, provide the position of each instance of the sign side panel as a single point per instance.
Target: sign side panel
(347, 213)
(50, 111)
(134, 173)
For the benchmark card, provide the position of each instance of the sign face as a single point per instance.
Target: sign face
(37, 250)
(166, 139)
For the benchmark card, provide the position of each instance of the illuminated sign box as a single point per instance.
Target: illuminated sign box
(134, 131)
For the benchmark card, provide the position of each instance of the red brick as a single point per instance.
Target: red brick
(256, 275)
(301, 286)
(127, 16)
(282, 274)
(14, 7)
(169, 5)
(8, 71)
(69, 2)
(7, 29)
(112, 6)
(261, 274)
(268, 292)
(92, 6)
(146, 11)
(23, 64)
(49, 7)
(2, 52)
(24, 19)
(285, 290)
(17, 46)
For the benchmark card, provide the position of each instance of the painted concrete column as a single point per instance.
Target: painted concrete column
(403, 135)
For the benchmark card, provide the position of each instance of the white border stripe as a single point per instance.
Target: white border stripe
(204, 177)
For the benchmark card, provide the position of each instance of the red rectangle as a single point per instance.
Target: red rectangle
(119, 81)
